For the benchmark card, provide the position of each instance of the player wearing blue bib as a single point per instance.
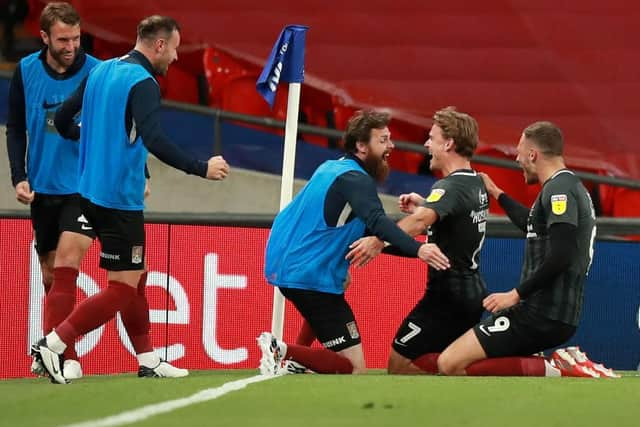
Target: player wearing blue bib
(44, 171)
(305, 255)
(120, 103)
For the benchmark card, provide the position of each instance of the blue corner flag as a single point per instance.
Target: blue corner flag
(285, 63)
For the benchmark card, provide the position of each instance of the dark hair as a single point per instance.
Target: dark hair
(460, 127)
(156, 26)
(58, 11)
(546, 136)
(360, 125)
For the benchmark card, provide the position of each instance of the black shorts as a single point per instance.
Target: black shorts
(520, 331)
(53, 214)
(329, 316)
(435, 322)
(121, 234)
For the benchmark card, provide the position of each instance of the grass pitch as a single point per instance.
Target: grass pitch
(331, 400)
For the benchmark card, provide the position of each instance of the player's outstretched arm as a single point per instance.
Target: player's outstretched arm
(144, 108)
(516, 211)
(363, 250)
(407, 203)
(360, 191)
(416, 223)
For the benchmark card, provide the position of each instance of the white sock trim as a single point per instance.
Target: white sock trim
(149, 359)
(54, 343)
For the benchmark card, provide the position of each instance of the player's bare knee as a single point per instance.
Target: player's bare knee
(448, 365)
(71, 249)
(70, 258)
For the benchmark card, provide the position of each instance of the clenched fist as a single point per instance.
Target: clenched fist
(24, 193)
(217, 169)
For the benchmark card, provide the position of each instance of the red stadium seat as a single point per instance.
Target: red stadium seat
(179, 85)
(626, 203)
(406, 161)
(232, 86)
(315, 105)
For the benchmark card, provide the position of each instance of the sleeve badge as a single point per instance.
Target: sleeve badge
(435, 195)
(559, 204)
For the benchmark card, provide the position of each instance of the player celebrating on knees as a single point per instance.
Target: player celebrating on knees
(305, 254)
(455, 214)
(120, 103)
(544, 310)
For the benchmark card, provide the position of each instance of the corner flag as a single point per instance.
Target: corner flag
(285, 63)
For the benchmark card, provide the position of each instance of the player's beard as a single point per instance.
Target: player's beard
(58, 56)
(377, 167)
(161, 69)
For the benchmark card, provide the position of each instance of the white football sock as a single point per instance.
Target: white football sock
(149, 359)
(54, 343)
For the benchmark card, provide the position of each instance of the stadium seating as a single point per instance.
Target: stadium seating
(508, 64)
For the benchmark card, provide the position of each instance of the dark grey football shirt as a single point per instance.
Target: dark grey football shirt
(462, 204)
(563, 199)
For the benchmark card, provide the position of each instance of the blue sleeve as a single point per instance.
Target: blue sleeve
(17, 129)
(360, 191)
(144, 107)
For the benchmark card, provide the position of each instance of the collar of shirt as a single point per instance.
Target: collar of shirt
(139, 58)
(70, 72)
(464, 170)
(354, 157)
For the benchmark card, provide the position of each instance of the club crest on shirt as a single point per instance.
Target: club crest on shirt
(559, 204)
(435, 195)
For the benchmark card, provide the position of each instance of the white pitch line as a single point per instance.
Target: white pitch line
(145, 412)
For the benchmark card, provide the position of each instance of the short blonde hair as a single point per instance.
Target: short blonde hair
(460, 127)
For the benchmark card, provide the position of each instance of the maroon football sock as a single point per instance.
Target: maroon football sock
(95, 311)
(427, 362)
(59, 302)
(320, 360)
(306, 336)
(61, 298)
(531, 366)
(135, 318)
